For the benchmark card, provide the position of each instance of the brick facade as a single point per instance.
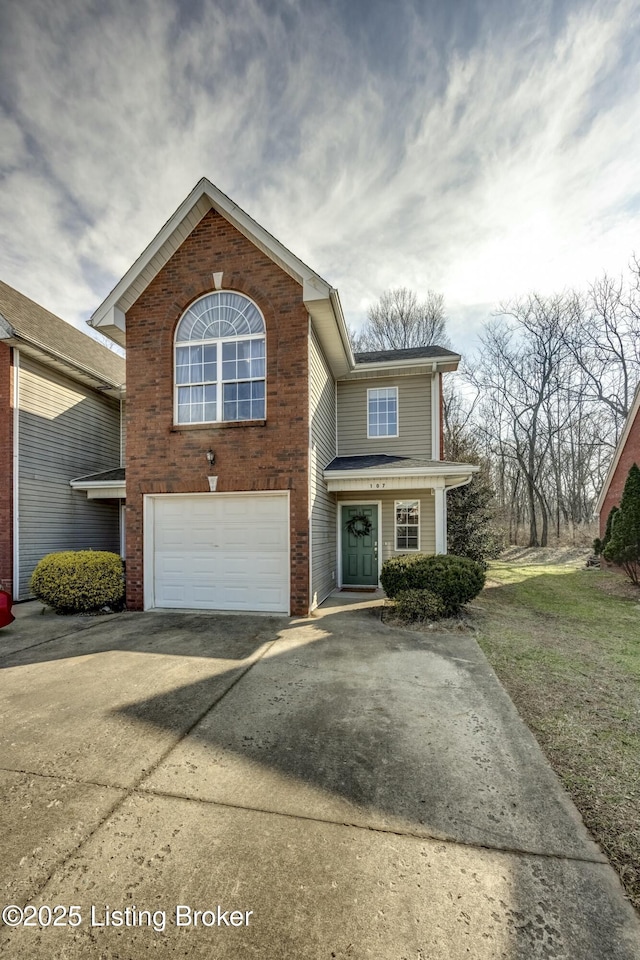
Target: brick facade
(6, 468)
(261, 455)
(629, 456)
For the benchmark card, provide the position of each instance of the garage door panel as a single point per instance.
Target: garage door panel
(221, 553)
(224, 535)
(175, 594)
(263, 567)
(270, 539)
(234, 567)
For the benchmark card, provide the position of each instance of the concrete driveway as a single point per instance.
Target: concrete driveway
(236, 787)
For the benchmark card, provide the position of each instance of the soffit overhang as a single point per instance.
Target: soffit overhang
(387, 368)
(439, 475)
(101, 491)
(59, 362)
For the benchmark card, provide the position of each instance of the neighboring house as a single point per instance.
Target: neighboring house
(254, 436)
(627, 453)
(60, 394)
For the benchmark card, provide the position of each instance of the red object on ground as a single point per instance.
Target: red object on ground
(6, 617)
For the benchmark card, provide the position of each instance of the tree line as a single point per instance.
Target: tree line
(541, 404)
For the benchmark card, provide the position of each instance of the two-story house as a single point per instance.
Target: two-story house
(60, 396)
(265, 464)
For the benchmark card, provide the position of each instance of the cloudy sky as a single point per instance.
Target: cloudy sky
(481, 149)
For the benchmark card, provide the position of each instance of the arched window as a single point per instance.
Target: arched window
(220, 360)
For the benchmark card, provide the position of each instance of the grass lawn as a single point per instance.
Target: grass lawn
(565, 642)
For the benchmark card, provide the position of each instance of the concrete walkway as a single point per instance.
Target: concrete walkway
(320, 788)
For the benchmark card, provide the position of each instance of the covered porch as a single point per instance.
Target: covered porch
(388, 506)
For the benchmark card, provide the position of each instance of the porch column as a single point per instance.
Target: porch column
(441, 518)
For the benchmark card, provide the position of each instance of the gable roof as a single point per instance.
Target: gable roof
(617, 453)
(48, 338)
(320, 299)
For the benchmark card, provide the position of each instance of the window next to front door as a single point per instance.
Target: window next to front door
(407, 524)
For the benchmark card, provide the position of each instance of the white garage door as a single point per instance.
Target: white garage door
(221, 552)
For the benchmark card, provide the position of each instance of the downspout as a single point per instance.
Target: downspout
(16, 473)
(440, 494)
(310, 461)
(441, 419)
(436, 401)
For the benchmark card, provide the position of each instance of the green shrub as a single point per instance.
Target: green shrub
(418, 606)
(395, 574)
(624, 546)
(455, 580)
(599, 546)
(79, 581)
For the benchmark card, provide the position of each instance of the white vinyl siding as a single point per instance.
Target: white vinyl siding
(323, 448)
(414, 417)
(389, 499)
(65, 430)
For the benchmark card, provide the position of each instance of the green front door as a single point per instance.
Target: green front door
(360, 545)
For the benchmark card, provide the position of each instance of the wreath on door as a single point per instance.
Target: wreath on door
(359, 525)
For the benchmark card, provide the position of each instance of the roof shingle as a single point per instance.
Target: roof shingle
(32, 323)
(376, 460)
(410, 353)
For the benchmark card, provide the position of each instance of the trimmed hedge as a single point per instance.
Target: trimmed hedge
(418, 605)
(78, 581)
(454, 580)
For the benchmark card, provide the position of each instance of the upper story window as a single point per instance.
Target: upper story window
(220, 360)
(382, 412)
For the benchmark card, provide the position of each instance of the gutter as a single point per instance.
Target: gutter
(92, 484)
(431, 362)
(10, 335)
(334, 298)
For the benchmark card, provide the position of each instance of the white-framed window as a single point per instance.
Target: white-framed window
(220, 360)
(382, 412)
(407, 524)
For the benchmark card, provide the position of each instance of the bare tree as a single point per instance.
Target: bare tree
(517, 375)
(554, 383)
(604, 338)
(556, 377)
(399, 320)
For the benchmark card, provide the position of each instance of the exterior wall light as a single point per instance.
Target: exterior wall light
(211, 457)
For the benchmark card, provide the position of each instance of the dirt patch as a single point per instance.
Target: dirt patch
(465, 622)
(545, 555)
